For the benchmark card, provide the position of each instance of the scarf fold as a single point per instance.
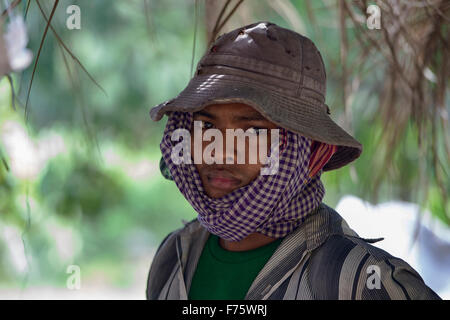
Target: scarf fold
(273, 205)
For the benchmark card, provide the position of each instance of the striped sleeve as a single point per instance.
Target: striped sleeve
(399, 281)
(349, 268)
(369, 273)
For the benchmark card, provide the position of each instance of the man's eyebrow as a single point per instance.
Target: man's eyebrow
(205, 114)
(253, 116)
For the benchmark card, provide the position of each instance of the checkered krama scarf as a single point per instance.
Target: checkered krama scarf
(273, 205)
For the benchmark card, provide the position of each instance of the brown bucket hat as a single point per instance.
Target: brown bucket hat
(275, 70)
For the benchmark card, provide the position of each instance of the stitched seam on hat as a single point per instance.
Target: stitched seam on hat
(251, 71)
(276, 84)
(292, 99)
(260, 65)
(273, 89)
(300, 85)
(313, 84)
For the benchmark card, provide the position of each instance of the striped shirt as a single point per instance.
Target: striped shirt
(321, 259)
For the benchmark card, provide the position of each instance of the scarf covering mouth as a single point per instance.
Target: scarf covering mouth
(273, 205)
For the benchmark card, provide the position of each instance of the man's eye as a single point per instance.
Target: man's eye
(206, 125)
(256, 130)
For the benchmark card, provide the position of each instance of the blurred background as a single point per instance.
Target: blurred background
(80, 187)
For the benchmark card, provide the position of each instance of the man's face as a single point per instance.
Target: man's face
(220, 179)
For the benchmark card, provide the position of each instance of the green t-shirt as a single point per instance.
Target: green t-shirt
(227, 275)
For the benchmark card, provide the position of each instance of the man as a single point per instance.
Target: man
(264, 236)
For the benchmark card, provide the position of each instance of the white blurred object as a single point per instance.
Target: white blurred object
(67, 241)
(14, 55)
(141, 170)
(14, 246)
(27, 157)
(16, 39)
(397, 223)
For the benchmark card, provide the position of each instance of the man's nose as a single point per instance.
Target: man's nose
(229, 153)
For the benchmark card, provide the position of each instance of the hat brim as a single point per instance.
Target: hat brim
(297, 115)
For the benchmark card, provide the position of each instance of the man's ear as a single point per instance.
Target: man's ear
(164, 169)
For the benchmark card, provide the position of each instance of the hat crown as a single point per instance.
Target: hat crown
(273, 50)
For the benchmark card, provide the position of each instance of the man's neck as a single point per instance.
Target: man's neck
(252, 241)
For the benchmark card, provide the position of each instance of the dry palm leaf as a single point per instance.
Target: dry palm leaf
(414, 41)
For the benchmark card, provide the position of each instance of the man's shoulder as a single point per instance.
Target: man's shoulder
(345, 243)
(346, 266)
(356, 269)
